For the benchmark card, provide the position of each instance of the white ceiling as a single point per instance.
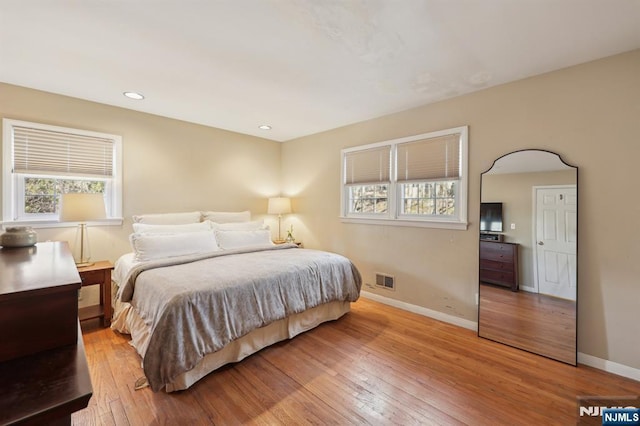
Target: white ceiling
(302, 66)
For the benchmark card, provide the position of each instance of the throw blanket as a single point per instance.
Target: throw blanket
(196, 305)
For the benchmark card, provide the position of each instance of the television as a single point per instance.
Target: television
(490, 217)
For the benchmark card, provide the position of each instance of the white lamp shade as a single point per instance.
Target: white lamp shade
(279, 205)
(80, 207)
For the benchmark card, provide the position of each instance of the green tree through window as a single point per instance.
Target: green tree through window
(42, 195)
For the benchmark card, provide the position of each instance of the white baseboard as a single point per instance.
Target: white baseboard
(441, 316)
(609, 366)
(589, 360)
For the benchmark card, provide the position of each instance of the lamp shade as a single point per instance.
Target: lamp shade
(279, 205)
(81, 207)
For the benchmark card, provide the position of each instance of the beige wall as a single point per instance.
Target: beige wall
(515, 192)
(168, 165)
(589, 114)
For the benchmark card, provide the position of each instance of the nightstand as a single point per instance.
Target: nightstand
(97, 274)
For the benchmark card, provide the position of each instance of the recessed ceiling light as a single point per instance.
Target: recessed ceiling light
(134, 95)
(265, 127)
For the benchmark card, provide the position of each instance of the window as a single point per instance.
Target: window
(416, 181)
(41, 162)
(367, 180)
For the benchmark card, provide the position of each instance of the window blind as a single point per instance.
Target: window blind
(48, 152)
(368, 166)
(432, 158)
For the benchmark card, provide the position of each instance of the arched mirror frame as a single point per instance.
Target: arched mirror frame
(562, 357)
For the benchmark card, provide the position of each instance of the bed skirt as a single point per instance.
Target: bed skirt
(127, 321)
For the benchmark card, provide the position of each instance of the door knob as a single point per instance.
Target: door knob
(540, 243)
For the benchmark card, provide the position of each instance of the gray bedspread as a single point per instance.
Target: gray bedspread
(196, 305)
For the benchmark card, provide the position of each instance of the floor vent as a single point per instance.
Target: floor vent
(385, 281)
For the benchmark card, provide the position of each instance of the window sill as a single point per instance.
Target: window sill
(37, 224)
(461, 226)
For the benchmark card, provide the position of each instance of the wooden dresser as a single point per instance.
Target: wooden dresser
(43, 367)
(499, 264)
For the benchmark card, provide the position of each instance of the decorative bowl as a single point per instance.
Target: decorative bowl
(19, 236)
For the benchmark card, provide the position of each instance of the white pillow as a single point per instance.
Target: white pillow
(240, 226)
(168, 218)
(159, 246)
(226, 217)
(144, 228)
(240, 239)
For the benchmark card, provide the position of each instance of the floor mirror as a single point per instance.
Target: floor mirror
(528, 281)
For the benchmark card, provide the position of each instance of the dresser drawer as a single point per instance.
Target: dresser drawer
(92, 277)
(497, 251)
(497, 277)
(496, 265)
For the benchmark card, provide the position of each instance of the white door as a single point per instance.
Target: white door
(556, 242)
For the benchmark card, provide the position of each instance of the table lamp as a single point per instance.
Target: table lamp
(82, 208)
(279, 206)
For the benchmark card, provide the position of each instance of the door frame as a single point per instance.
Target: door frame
(534, 222)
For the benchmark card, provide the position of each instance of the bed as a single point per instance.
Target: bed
(192, 306)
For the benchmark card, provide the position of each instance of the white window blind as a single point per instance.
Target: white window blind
(369, 166)
(418, 180)
(432, 158)
(46, 152)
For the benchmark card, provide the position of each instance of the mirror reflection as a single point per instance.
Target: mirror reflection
(528, 262)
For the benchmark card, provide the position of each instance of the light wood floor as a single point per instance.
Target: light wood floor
(376, 365)
(534, 322)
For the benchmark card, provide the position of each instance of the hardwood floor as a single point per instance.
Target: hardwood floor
(534, 322)
(377, 365)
